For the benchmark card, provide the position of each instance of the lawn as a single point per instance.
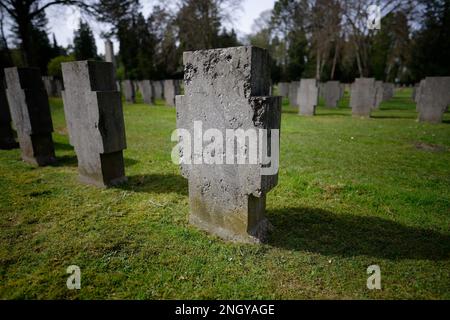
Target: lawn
(351, 193)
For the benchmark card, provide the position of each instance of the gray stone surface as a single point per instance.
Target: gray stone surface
(227, 89)
(109, 52)
(294, 86)
(128, 90)
(418, 94)
(30, 113)
(158, 87)
(362, 98)
(7, 140)
(332, 93)
(147, 91)
(379, 92)
(308, 97)
(94, 117)
(283, 89)
(388, 91)
(171, 89)
(434, 99)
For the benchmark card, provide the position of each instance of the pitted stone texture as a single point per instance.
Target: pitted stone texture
(362, 97)
(129, 91)
(308, 97)
(109, 52)
(7, 140)
(147, 91)
(171, 89)
(283, 89)
(158, 87)
(434, 99)
(94, 117)
(226, 89)
(30, 113)
(332, 93)
(379, 91)
(294, 86)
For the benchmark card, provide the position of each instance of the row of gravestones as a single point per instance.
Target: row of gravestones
(432, 96)
(225, 89)
(151, 90)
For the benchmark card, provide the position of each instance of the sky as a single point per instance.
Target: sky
(63, 21)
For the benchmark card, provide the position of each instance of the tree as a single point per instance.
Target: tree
(27, 16)
(54, 66)
(84, 43)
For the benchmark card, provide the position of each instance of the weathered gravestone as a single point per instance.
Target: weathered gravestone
(379, 90)
(7, 140)
(294, 86)
(418, 94)
(109, 52)
(30, 113)
(226, 90)
(283, 89)
(129, 91)
(146, 89)
(171, 89)
(362, 97)
(308, 97)
(50, 85)
(93, 110)
(158, 87)
(434, 99)
(332, 93)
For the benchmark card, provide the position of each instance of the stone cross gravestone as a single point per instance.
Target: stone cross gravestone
(171, 89)
(379, 91)
(109, 52)
(332, 93)
(93, 110)
(226, 91)
(283, 89)
(147, 91)
(129, 91)
(308, 97)
(158, 87)
(434, 99)
(362, 98)
(294, 86)
(30, 113)
(7, 140)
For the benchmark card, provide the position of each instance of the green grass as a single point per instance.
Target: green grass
(351, 193)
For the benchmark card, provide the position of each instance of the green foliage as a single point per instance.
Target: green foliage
(351, 193)
(84, 43)
(54, 66)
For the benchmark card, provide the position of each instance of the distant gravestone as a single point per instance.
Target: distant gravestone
(226, 89)
(129, 91)
(30, 113)
(147, 91)
(109, 52)
(332, 93)
(294, 86)
(7, 140)
(308, 97)
(50, 85)
(158, 87)
(418, 94)
(59, 87)
(362, 97)
(379, 92)
(283, 88)
(388, 91)
(94, 116)
(171, 89)
(434, 99)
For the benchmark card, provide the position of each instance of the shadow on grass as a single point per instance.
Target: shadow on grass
(156, 183)
(327, 233)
